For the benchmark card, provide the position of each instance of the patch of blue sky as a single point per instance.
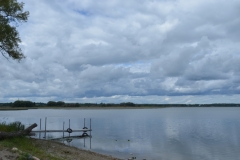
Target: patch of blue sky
(137, 67)
(83, 12)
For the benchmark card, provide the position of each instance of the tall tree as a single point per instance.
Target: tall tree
(11, 15)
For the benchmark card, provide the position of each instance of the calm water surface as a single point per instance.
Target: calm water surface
(157, 134)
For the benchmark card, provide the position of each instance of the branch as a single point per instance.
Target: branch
(2, 51)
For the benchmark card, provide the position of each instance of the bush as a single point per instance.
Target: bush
(129, 104)
(19, 103)
(53, 103)
(11, 127)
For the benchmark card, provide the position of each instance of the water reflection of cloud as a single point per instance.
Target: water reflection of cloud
(197, 138)
(172, 129)
(170, 133)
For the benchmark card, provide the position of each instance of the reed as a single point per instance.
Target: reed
(11, 127)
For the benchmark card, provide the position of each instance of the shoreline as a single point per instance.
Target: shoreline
(57, 150)
(70, 152)
(106, 108)
(77, 108)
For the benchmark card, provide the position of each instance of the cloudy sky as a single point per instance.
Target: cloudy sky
(141, 51)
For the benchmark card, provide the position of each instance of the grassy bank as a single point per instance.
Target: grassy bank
(49, 150)
(26, 147)
(42, 149)
(24, 144)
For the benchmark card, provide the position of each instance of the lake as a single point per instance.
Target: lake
(152, 134)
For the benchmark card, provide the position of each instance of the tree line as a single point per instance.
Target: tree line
(25, 103)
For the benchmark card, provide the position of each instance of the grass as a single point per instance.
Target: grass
(27, 147)
(24, 144)
(11, 127)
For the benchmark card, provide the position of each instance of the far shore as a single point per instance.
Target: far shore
(79, 108)
(8, 108)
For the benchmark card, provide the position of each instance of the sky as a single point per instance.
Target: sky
(113, 51)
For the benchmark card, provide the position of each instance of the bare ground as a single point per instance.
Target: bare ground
(59, 150)
(6, 154)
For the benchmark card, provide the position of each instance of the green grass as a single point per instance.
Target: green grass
(24, 144)
(11, 127)
(27, 146)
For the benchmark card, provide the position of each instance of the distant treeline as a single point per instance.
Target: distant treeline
(21, 103)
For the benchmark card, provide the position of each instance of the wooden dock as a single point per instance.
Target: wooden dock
(76, 130)
(68, 130)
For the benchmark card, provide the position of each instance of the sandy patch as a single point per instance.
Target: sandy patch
(6, 154)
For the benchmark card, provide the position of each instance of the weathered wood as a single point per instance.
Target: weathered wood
(27, 131)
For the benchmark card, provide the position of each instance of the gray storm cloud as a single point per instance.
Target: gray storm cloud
(132, 50)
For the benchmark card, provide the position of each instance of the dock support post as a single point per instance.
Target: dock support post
(40, 123)
(90, 125)
(90, 133)
(84, 142)
(69, 127)
(45, 127)
(40, 128)
(84, 122)
(63, 128)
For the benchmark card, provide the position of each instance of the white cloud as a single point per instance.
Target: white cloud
(98, 50)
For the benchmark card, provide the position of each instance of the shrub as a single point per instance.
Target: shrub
(11, 127)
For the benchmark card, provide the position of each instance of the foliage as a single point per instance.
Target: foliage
(25, 156)
(11, 127)
(11, 15)
(60, 103)
(129, 104)
(124, 104)
(22, 143)
(19, 103)
(53, 103)
(6, 104)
